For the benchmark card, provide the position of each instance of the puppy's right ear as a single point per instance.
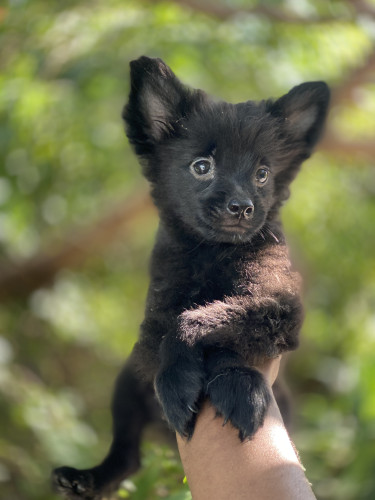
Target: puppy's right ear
(157, 101)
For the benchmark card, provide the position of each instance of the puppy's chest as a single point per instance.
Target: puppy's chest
(181, 280)
(212, 279)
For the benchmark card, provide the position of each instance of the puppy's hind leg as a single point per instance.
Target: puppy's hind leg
(133, 407)
(238, 392)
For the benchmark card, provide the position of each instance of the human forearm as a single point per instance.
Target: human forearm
(218, 466)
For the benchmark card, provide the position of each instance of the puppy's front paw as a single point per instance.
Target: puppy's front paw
(179, 387)
(75, 484)
(241, 396)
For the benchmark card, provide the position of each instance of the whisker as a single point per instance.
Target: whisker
(273, 236)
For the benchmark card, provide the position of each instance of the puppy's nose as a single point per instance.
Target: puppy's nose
(241, 208)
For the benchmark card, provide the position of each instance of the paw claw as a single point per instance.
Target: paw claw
(193, 409)
(63, 482)
(79, 488)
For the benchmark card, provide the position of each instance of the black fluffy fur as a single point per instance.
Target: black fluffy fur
(222, 295)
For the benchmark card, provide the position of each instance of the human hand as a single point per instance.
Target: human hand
(269, 368)
(218, 465)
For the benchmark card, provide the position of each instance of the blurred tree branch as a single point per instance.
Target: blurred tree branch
(342, 94)
(364, 8)
(339, 146)
(224, 12)
(19, 280)
(356, 77)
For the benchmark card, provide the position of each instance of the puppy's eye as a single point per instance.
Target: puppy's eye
(261, 175)
(203, 168)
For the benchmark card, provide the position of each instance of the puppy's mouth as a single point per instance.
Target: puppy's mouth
(215, 225)
(234, 231)
(239, 227)
(221, 222)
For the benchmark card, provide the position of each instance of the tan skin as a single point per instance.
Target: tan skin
(219, 467)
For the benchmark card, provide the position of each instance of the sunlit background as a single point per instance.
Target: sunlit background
(76, 225)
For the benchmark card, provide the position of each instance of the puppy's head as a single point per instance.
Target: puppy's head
(220, 171)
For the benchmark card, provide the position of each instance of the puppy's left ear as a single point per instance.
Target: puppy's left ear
(304, 111)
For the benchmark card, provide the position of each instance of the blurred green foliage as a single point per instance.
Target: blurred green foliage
(64, 162)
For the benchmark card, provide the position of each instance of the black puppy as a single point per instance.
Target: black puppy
(222, 295)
